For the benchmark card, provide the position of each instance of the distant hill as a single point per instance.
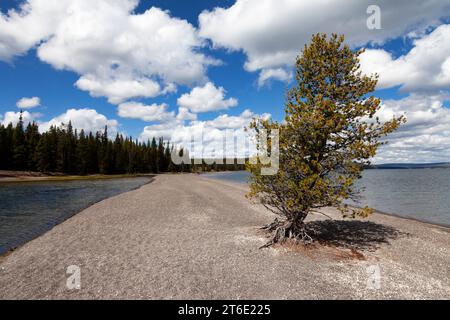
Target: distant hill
(410, 165)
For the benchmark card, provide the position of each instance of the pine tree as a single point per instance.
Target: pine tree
(82, 153)
(20, 151)
(119, 155)
(43, 154)
(160, 157)
(71, 147)
(32, 137)
(153, 156)
(6, 146)
(325, 141)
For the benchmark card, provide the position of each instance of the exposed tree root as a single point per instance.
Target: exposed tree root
(283, 230)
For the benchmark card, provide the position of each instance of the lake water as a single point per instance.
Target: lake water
(29, 209)
(422, 194)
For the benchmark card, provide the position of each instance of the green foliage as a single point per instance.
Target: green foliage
(20, 152)
(62, 149)
(329, 134)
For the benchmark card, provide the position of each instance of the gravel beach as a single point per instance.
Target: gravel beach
(190, 237)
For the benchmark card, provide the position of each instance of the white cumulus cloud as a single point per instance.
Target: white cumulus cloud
(13, 117)
(87, 119)
(154, 112)
(118, 53)
(28, 103)
(118, 90)
(243, 120)
(426, 135)
(21, 30)
(272, 32)
(425, 67)
(223, 136)
(185, 114)
(206, 98)
(274, 73)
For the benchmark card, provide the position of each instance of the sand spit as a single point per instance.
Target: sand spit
(188, 237)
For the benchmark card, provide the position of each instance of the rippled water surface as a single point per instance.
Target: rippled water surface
(422, 194)
(29, 209)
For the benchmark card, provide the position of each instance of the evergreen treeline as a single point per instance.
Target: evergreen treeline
(65, 150)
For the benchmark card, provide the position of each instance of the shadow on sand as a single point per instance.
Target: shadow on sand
(357, 235)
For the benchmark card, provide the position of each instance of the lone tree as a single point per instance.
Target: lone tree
(330, 133)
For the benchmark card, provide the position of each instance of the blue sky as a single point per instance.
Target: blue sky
(28, 76)
(171, 68)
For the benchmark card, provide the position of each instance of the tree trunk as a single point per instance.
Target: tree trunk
(289, 229)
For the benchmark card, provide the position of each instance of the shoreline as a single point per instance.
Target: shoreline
(377, 211)
(430, 223)
(18, 177)
(11, 250)
(162, 240)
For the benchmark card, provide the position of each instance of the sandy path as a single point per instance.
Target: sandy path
(188, 237)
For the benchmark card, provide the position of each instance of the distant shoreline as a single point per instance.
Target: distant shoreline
(31, 176)
(437, 165)
(433, 223)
